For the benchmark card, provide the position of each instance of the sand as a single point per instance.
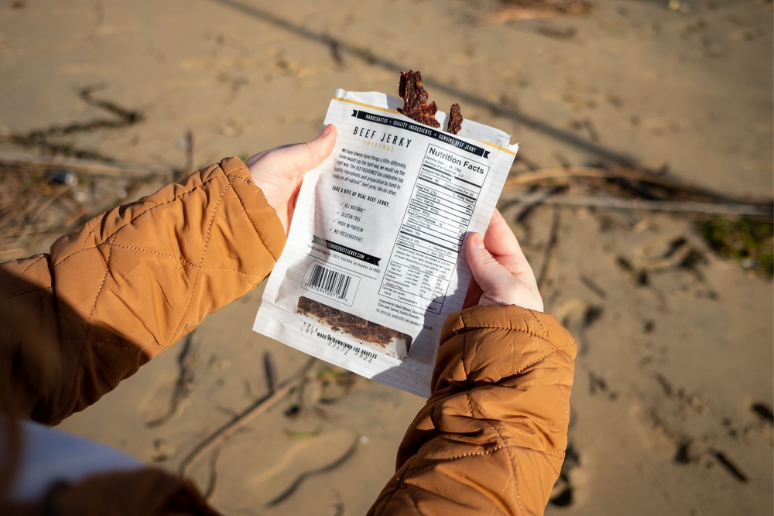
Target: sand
(667, 373)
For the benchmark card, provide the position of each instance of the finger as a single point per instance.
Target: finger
(295, 160)
(502, 243)
(499, 239)
(486, 270)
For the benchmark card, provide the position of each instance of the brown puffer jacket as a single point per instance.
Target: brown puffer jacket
(134, 280)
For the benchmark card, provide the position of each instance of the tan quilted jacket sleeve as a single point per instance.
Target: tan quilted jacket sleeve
(128, 285)
(491, 438)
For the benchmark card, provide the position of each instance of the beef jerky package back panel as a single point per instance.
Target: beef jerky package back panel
(375, 261)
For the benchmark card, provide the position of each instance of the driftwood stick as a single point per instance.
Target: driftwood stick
(550, 247)
(554, 173)
(639, 204)
(75, 165)
(616, 172)
(271, 371)
(190, 153)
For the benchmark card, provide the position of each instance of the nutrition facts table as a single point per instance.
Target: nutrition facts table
(425, 254)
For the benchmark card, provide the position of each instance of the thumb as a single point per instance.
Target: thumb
(487, 271)
(295, 160)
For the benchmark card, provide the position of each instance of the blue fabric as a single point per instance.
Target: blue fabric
(50, 456)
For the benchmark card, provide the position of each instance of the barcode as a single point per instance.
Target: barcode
(329, 281)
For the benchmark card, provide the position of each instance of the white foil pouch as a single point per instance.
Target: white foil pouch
(375, 261)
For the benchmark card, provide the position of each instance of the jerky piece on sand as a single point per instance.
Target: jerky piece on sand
(455, 119)
(415, 97)
(393, 343)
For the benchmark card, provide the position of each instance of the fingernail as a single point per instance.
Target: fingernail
(477, 240)
(326, 131)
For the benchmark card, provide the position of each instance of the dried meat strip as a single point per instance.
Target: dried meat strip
(455, 119)
(415, 97)
(394, 343)
(415, 105)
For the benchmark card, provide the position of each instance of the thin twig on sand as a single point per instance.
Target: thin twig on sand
(550, 247)
(209, 493)
(271, 371)
(183, 384)
(670, 189)
(80, 166)
(593, 286)
(648, 205)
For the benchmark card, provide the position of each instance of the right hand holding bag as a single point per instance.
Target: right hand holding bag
(501, 273)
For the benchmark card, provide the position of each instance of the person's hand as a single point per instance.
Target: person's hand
(279, 172)
(501, 273)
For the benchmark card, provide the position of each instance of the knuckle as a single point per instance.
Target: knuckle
(312, 151)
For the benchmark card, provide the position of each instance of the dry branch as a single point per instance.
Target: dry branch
(80, 166)
(646, 205)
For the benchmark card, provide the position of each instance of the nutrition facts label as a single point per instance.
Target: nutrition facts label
(433, 228)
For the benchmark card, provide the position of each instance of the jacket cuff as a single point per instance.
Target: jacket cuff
(515, 318)
(487, 345)
(262, 216)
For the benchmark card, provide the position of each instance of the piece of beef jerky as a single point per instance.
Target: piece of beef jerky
(337, 320)
(415, 97)
(455, 119)
(412, 91)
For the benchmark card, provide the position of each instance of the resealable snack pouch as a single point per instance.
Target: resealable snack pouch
(375, 261)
